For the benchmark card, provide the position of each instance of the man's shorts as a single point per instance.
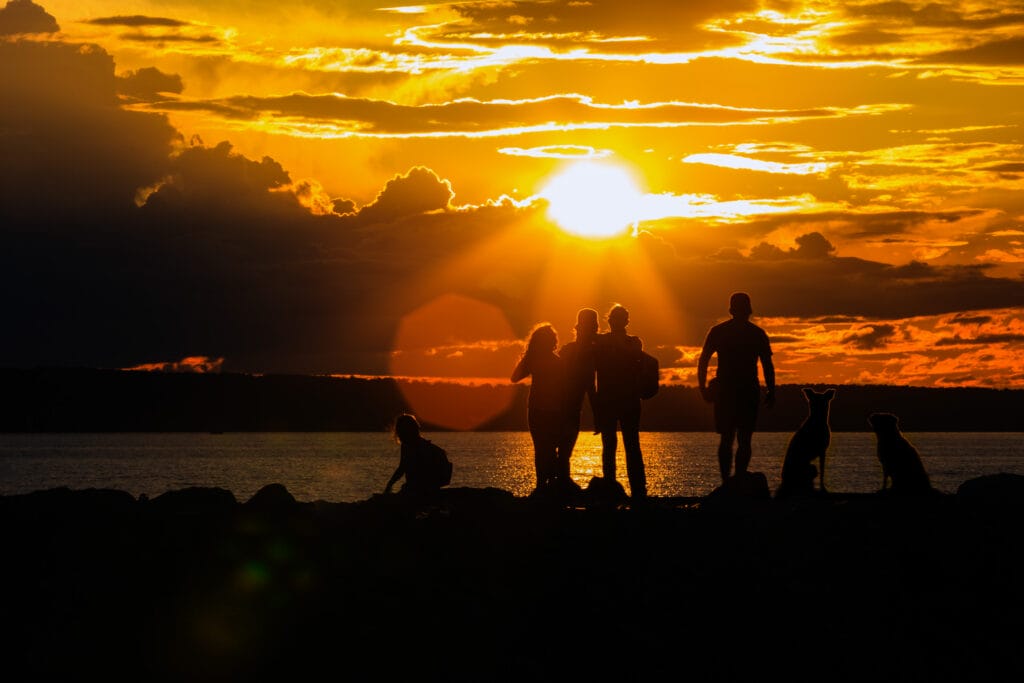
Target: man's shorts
(736, 406)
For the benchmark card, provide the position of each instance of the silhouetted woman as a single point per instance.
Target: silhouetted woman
(546, 405)
(422, 462)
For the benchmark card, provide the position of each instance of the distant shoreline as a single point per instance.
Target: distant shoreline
(89, 400)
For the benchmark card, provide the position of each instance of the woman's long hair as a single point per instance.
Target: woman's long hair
(543, 339)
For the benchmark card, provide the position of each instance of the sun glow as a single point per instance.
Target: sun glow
(593, 199)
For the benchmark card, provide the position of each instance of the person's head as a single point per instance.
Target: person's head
(586, 323)
(618, 317)
(543, 338)
(739, 305)
(406, 427)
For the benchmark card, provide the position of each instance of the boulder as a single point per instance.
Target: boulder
(271, 497)
(194, 501)
(602, 492)
(998, 490)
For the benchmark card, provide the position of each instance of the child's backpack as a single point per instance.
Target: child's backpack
(440, 465)
(648, 376)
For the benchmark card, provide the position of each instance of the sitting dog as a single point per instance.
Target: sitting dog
(901, 463)
(809, 443)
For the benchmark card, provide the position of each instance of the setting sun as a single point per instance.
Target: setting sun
(593, 200)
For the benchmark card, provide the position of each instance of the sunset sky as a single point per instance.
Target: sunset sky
(372, 189)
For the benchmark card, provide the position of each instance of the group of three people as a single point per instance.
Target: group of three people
(599, 366)
(604, 367)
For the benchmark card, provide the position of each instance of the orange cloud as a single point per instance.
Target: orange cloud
(195, 364)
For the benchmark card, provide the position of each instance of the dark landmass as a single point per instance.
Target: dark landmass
(481, 586)
(89, 400)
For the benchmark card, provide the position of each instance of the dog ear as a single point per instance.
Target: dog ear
(830, 394)
(808, 392)
(884, 420)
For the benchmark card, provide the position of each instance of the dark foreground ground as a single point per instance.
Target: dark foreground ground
(481, 586)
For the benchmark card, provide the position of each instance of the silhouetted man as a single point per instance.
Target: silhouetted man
(618, 400)
(736, 391)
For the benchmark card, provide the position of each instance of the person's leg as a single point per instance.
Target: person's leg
(634, 458)
(609, 444)
(567, 442)
(743, 450)
(538, 456)
(746, 417)
(726, 428)
(542, 432)
(725, 452)
(552, 437)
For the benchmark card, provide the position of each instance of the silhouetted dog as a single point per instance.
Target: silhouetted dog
(809, 443)
(901, 463)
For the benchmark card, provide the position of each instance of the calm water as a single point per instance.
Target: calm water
(348, 467)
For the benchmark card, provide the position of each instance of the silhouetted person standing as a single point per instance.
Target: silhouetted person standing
(580, 357)
(618, 400)
(546, 404)
(736, 390)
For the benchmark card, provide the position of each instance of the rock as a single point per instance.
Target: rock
(744, 485)
(194, 501)
(271, 497)
(201, 594)
(1002, 490)
(602, 492)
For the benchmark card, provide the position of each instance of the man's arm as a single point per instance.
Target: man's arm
(768, 367)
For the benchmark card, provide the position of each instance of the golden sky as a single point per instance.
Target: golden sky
(365, 188)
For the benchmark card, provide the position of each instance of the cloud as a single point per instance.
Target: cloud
(217, 178)
(353, 117)
(812, 245)
(222, 252)
(137, 20)
(234, 257)
(87, 276)
(67, 143)
(871, 337)
(746, 163)
(418, 191)
(169, 38)
(343, 207)
(159, 30)
(968, 319)
(190, 364)
(1008, 52)
(557, 152)
(868, 36)
(981, 340)
(810, 281)
(148, 84)
(940, 15)
(24, 16)
(1008, 167)
(610, 24)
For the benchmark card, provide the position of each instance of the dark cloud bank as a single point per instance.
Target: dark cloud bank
(123, 244)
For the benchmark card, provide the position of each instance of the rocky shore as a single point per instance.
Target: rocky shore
(479, 585)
